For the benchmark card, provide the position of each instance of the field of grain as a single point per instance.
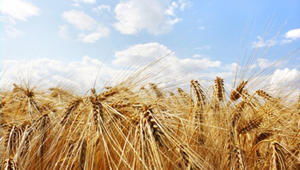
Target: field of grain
(141, 126)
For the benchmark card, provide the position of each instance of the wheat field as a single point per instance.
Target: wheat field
(142, 126)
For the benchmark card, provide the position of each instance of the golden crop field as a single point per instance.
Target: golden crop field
(141, 126)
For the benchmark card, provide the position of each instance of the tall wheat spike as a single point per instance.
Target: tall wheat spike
(236, 94)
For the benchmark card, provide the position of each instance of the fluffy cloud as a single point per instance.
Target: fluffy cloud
(293, 34)
(18, 9)
(141, 54)
(80, 20)
(171, 9)
(94, 36)
(285, 82)
(14, 10)
(155, 16)
(283, 78)
(265, 63)
(48, 73)
(260, 43)
(84, 22)
(166, 67)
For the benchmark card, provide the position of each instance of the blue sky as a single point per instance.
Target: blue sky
(212, 33)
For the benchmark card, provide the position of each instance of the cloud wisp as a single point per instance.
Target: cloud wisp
(91, 30)
(261, 43)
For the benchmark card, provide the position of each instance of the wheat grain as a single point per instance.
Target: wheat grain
(236, 94)
(219, 89)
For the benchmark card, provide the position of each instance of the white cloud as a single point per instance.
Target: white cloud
(80, 20)
(260, 43)
(48, 73)
(141, 54)
(18, 9)
(85, 1)
(198, 56)
(84, 22)
(293, 34)
(155, 16)
(170, 69)
(284, 78)
(174, 5)
(94, 36)
(264, 63)
(171, 9)
(14, 10)
(190, 64)
(101, 8)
